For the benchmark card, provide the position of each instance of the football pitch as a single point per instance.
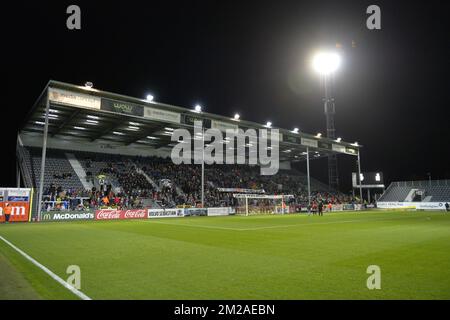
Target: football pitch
(234, 257)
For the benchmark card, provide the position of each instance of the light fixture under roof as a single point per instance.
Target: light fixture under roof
(93, 117)
(79, 128)
(51, 116)
(117, 133)
(152, 138)
(133, 123)
(133, 128)
(39, 122)
(88, 121)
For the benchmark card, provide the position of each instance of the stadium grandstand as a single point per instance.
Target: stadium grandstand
(81, 148)
(426, 194)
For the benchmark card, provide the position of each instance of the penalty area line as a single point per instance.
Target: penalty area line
(72, 289)
(279, 226)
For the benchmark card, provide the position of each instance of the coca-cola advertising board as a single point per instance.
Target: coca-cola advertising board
(112, 214)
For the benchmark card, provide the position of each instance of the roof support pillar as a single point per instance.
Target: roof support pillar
(44, 154)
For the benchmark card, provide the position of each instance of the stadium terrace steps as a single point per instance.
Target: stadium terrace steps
(175, 184)
(435, 191)
(150, 180)
(79, 170)
(56, 165)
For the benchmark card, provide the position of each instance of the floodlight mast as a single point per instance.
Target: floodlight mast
(326, 64)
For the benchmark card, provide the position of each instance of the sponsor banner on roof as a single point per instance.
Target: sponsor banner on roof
(162, 115)
(191, 119)
(74, 99)
(122, 107)
(350, 151)
(338, 148)
(291, 139)
(111, 214)
(309, 142)
(223, 126)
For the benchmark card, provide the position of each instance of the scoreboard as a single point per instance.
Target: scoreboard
(368, 180)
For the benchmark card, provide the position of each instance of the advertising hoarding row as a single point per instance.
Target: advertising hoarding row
(112, 214)
(412, 205)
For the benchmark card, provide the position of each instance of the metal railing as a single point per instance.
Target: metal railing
(422, 183)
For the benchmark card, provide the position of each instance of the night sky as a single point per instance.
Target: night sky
(251, 57)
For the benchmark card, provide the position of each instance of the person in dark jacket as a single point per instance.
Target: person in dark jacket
(320, 208)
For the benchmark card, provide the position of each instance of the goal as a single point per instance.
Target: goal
(253, 204)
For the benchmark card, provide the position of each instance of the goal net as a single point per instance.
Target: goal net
(253, 204)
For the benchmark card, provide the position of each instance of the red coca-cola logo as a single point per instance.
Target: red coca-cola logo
(135, 214)
(109, 214)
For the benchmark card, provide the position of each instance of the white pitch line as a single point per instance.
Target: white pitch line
(72, 289)
(280, 226)
(191, 225)
(324, 223)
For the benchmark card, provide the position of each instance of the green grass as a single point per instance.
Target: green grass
(256, 257)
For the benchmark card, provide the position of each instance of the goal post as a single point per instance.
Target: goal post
(252, 204)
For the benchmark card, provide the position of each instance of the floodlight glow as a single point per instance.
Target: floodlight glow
(89, 84)
(236, 116)
(338, 139)
(198, 108)
(326, 63)
(149, 97)
(268, 124)
(319, 135)
(355, 144)
(295, 130)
